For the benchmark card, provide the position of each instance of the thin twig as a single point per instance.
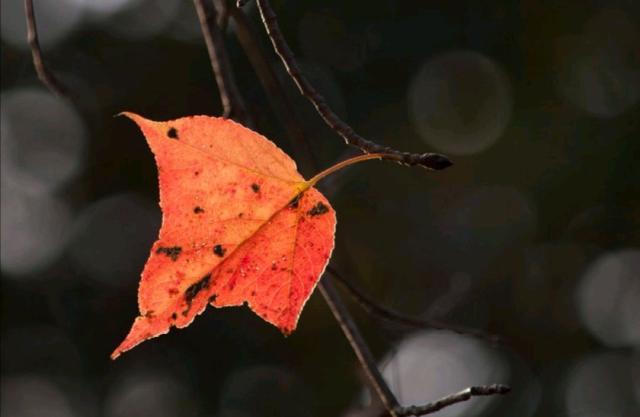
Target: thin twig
(373, 307)
(232, 103)
(46, 76)
(273, 88)
(464, 395)
(360, 347)
(431, 161)
(222, 9)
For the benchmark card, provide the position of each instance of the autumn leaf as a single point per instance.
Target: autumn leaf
(240, 226)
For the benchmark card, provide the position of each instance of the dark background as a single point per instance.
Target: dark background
(533, 235)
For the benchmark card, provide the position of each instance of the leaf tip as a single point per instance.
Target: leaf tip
(142, 329)
(130, 115)
(120, 350)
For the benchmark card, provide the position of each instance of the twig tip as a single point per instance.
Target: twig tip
(490, 390)
(435, 161)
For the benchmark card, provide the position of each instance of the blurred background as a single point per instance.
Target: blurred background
(533, 235)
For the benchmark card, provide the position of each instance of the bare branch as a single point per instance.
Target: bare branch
(373, 307)
(223, 10)
(464, 395)
(360, 347)
(273, 87)
(46, 76)
(431, 161)
(232, 103)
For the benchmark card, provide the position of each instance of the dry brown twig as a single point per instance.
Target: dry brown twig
(232, 102)
(464, 395)
(432, 161)
(46, 77)
(275, 92)
(375, 308)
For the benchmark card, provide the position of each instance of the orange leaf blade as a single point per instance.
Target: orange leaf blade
(232, 231)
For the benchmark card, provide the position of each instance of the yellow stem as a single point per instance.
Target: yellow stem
(312, 182)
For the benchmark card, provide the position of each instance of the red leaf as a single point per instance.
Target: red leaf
(240, 225)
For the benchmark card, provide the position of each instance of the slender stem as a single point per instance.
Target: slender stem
(47, 77)
(360, 347)
(232, 103)
(373, 307)
(431, 161)
(273, 88)
(343, 164)
(464, 395)
(222, 8)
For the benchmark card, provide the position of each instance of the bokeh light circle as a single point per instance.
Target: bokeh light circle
(111, 238)
(429, 365)
(43, 139)
(149, 394)
(597, 70)
(34, 230)
(608, 298)
(460, 102)
(32, 396)
(135, 22)
(55, 19)
(601, 386)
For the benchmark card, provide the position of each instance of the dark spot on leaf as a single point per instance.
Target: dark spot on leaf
(318, 209)
(149, 314)
(194, 289)
(174, 316)
(294, 202)
(219, 250)
(274, 267)
(198, 210)
(213, 298)
(172, 252)
(240, 215)
(173, 291)
(255, 187)
(172, 133)
(196, 173)
(253, 293)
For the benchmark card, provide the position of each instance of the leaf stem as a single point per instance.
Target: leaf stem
(310, 183)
